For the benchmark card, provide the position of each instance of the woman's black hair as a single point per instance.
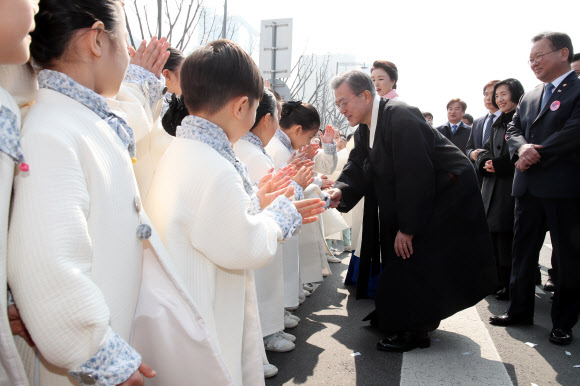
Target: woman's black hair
(57, 21)
(176, 59)
(174, 115)
(298, 113)
(267, 106)
(515, 87)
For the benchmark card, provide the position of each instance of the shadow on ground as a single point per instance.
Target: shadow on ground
(326, 309)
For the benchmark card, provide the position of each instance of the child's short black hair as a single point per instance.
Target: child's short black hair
(213, 75)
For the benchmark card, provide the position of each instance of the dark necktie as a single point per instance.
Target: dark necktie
(547, 94)
(453, 129)
(487, 129)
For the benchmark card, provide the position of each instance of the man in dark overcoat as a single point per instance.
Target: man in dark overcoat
(423, 215)
(543, 139)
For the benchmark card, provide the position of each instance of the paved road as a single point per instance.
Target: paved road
(465, 350)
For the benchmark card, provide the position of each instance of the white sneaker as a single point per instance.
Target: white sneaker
(348, 248)
(291, 315)
(291, 308)
(270, 370)
(278, 344)
(301, 300)
(287, 336)
(307, 293)
(290, 322)
(308, 287)
(333, 259)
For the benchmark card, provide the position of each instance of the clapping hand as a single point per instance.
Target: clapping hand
(299, 163)
(151, 56)
(306, 152)
(280, 179)
(309, 209)
(305, 176)
(328, 136)
(327, 183)
(267, 194)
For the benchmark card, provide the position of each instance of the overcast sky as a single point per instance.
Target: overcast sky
(443, 49)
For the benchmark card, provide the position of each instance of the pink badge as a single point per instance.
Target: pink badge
(555, 105)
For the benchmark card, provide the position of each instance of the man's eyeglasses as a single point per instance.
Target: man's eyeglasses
(342, 105)
(539, 57)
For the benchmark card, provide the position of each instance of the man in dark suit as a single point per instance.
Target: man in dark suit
(576, 63)
(455, 130)
(435, 252)
(481, 128)
(544, 140)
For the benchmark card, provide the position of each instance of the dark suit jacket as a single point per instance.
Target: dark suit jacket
(474, 141)
(460, 137)
(557, 175)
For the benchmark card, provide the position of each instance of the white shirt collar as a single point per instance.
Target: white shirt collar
(374, 119)
(559, 80)
(451, 124)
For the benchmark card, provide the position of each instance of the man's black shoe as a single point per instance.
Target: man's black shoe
(405, 341)
(502, 294)
(506, 320)
(549, 286)
(561, 336)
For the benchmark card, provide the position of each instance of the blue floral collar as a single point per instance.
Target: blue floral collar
(200, 129)
(254, 139)
(10, 135)
(285, 139)
(65, 85)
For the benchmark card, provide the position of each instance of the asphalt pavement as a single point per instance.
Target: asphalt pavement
(334, 346)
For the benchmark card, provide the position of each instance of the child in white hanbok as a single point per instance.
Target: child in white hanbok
(16, 21)
(216, 226)
(84, 264)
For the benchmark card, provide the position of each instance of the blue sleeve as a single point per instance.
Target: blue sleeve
(113, 364)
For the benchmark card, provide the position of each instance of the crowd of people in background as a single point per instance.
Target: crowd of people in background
(163, 215)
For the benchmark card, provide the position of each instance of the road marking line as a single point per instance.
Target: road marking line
(444, 364)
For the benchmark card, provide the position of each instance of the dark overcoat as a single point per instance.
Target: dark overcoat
(414, 180)
(497, 187)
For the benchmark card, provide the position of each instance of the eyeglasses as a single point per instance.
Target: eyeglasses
(342, 105)
(539, 57)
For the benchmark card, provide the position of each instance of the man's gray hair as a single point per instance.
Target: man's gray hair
(357, 80)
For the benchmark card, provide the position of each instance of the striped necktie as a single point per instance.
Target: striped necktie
(487, 130)
(547, 94)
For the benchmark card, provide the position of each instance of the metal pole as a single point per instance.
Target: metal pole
(274, 46)
(225, 19)
(160, 8)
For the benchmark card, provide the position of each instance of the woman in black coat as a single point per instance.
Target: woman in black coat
(494, 164)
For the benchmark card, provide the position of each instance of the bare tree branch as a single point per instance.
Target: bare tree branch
(147, 22)
(139, 19)
(129, 30)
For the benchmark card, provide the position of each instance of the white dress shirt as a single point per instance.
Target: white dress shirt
(374, 119)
